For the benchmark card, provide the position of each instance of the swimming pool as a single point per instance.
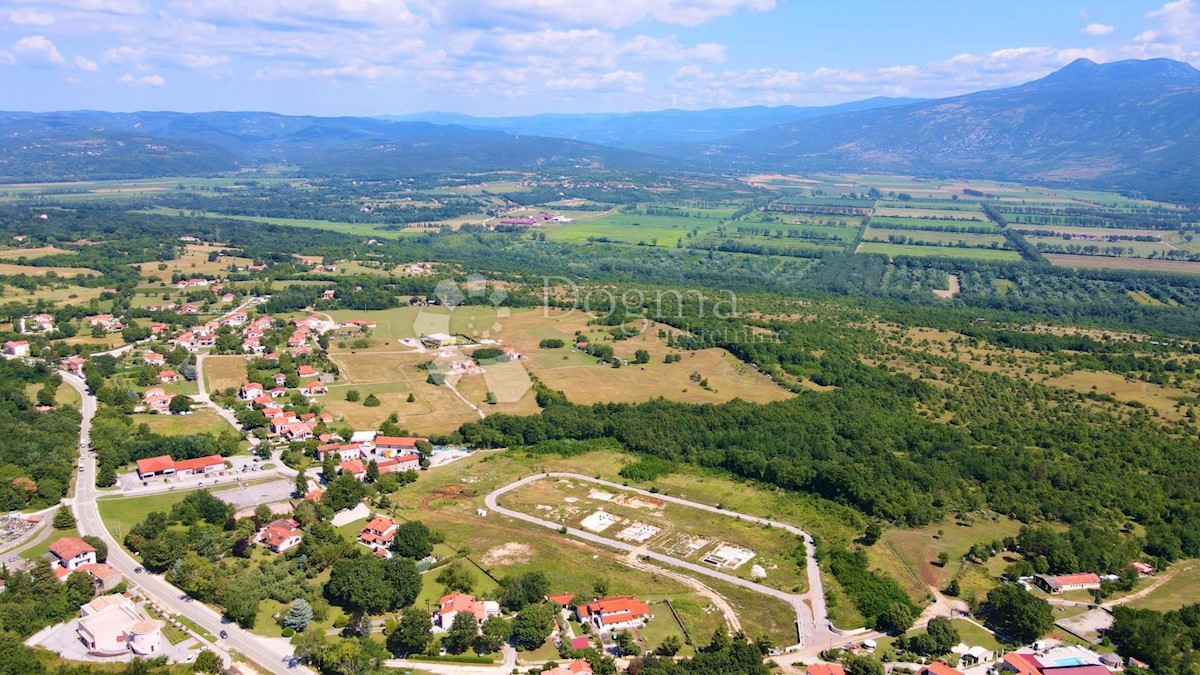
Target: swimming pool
(1072, 661)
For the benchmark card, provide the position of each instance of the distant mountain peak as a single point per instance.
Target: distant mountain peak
(1132, 71)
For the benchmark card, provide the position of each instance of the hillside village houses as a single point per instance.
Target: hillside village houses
(107, 322)
(38, 323)
(16, 349)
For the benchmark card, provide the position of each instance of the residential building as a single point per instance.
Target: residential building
(616, 613)
(251, 391)
(398, 464)
(972, 656)
(280, 535)
(449, 606)
(576, 667)
(153, 359)
(378, 533)
(73, 364)
(16, 348)
(167, 377)
(69, 554)
(316, 388)
(354, 468)
(825, 669)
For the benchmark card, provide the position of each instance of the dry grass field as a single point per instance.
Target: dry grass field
(223, 372)
(10, 268)
(918, 549)
(194, 261)
(68, 294)
(31, 253)
(200, 421)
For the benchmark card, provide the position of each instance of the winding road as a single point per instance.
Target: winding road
(812, 618)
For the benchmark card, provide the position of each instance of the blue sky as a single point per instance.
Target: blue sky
(505, 57)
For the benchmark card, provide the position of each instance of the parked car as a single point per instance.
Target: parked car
(224, 635)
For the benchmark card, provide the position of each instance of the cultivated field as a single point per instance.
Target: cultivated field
(893, 250)
(193, 261)
(36, 271)
(223, 372)
(1103, 262)
(32, 253)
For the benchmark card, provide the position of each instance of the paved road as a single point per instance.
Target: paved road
(812, 618)
(272, 655)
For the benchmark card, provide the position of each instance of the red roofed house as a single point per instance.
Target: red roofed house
(296, 432)
(825, 669)
(167, 376)
(315, 495)
(616, 613)
(251, 390)
(576, 667)
(17, 348)
(280, 535)
(398, 464)
(378, 533)
(451, 605)
(73, 364)
(162, 465)
(937, 668)
(157, 327)
(105, 576)
(69, 554)
(354, 468)
(390, 446)
(315, 388)
(306, 371)
(154, 359)
(344, 451)
(1066, 582)
(561, 600)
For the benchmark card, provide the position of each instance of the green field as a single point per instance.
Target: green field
(1001, 255)
(631, 228)
(941, 238)
(357, 229)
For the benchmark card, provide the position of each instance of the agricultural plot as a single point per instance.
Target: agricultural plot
(40, 271)
(723, 542)
(959, 239)
(892, 250)
(59, 294)
(1139, 264)
(635, 228)
(195, 260)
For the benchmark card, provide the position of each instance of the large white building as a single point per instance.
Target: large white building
(111, 626)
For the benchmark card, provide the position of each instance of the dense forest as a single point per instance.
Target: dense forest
(38, 454)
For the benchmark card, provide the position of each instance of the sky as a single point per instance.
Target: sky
(515, 57)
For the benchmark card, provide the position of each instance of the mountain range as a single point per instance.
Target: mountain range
(1131, 126)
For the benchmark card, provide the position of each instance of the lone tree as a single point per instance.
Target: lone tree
(63, 519)
(299, 616)
(180, 404)
(411, 635)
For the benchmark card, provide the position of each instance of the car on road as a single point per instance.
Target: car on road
(190, 657)
(13, 558)
(138, 570)
(224, 635)
(81, 469)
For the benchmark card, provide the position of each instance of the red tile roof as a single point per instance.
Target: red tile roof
(1071, 579)
(353, 466)
(155, 464)
(937, 668)
(397, 441)
(826, 669)
(1023, 664)
(199, 463)
(69, 547)
(562, 599)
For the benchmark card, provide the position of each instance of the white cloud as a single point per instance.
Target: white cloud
(1097, 29)
(38, 48)
(617, 80)
(125, 54)
(1178, 20)
(1146, 36)
(145, 81)
(29, 16)
(84, 63)
(602, 13)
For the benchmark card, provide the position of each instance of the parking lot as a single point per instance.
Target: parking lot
(248, 496)
(244, 467)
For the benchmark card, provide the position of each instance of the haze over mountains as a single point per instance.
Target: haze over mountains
(1130, 125)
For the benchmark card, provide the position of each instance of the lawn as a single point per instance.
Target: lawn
(938, 251)
(632, 228)
(35, 552)
(202, 420)
(122, 513)
(1183, 588)
(918, 549)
